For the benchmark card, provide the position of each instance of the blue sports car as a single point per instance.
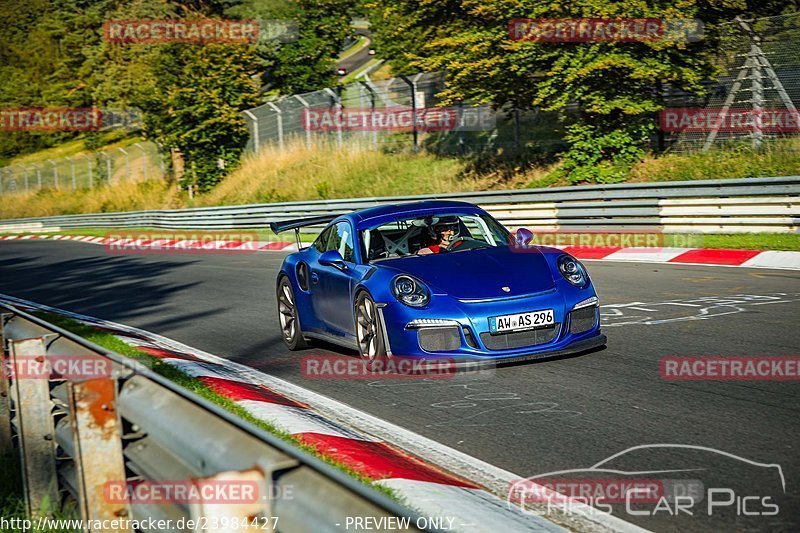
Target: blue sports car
(432, 280)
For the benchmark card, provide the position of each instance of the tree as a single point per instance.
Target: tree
(613, 86)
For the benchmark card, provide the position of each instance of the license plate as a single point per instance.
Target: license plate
(520, 321)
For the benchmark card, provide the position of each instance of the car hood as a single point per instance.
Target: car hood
(479, 274)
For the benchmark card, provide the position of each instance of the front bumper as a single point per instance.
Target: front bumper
(469, 340)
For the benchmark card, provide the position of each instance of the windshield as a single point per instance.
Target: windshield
(420, 236)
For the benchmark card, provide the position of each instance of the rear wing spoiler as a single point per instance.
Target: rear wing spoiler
(296, 224)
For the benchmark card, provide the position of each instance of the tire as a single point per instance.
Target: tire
(288, 318)
(369, 330)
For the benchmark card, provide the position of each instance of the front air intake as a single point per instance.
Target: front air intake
(582, 320)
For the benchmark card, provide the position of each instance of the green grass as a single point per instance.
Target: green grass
(777, 158)
(361, 41)
(741, 241)
(753, 241)
(351, 77)
(261, 234)
(76, 146)
(12, 501)
(196, 386)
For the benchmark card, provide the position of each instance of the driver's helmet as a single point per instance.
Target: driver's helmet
(442, 224)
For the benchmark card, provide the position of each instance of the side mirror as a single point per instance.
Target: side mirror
(523, 238)
(333, 258)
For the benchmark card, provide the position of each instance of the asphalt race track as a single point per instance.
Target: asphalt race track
(530, 419)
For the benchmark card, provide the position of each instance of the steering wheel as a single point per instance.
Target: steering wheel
(464, 243)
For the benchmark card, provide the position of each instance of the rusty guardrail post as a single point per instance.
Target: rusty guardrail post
(98, 448)
(6, 445)
(34, 423)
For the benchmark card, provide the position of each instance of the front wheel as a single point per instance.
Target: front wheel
(288, 317)
(369, 330)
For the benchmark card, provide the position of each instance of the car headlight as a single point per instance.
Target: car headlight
(572, 270)
(410, 291)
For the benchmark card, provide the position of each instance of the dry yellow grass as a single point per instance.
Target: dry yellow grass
(324, 172)
(299, 173)
(152, 194)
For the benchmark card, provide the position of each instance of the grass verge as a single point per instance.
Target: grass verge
(12, 502)
(196, 386)
(322, 172)
(739, 241)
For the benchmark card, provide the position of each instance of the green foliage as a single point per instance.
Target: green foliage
(598, 156)
(307, 64)
(52, 54)
(614, 85)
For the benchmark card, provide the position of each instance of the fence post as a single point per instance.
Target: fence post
(34, 423)
(337, 104)
(89, 168)
(305, 124)
(6, 445)
(72, 166)
(255, 129)
(144, 159)
(279, 111)
(108, 167)
(38, 176)
(127, 163)
(413, 85)
(55, 172)
(372, 97)
(98, 448)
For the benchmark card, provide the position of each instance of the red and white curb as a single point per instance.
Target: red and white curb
(691, 256)
(439, 486)
(686, 256)
(165, 245)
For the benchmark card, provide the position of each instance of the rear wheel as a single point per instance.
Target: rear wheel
(288, 317)
(369, 330)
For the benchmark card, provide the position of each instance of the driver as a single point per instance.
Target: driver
(441, 233)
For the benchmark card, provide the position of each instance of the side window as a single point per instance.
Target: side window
(342, 240)
(321, 244)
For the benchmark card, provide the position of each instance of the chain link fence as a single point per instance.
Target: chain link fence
(364, 113)
(755, 101)
(139, 161)
(761, 73)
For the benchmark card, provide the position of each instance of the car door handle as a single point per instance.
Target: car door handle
(314, 277)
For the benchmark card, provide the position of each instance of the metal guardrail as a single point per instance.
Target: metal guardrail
(76, 435)
(703, 206)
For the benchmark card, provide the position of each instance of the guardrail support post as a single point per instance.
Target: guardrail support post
(220, 512)
(98, 448)
(6, 445)
(34, 423)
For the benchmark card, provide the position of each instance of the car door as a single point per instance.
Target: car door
(331, 287)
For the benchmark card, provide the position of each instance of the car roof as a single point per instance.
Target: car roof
(383, 214)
